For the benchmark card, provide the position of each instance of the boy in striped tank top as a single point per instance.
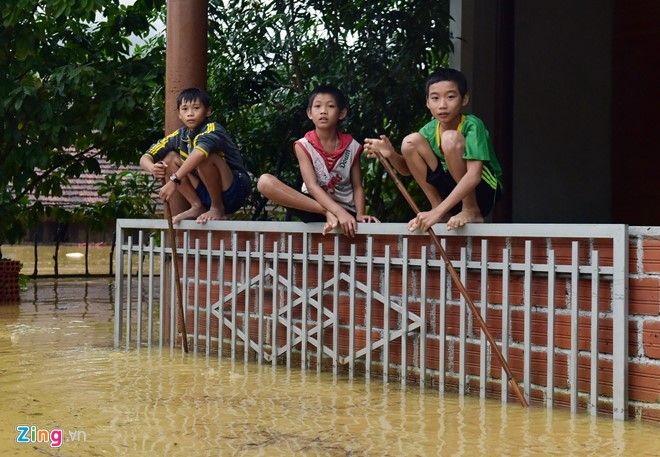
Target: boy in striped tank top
(329, 163)
(451, 157)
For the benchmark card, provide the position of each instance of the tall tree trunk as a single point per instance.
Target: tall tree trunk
(35, 271)
(112, 252)
(59, 236)
(87, 252)
(56, 268)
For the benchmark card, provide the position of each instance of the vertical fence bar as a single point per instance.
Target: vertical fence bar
(138, 317)
(442, 333)
(129, 291)
(246, 309)
(289, 302)
(483, 345)
(234, 293)
(319, 311)
(422, 317)
(386, 314)
(196, 299)
(274, 311)
(150, 294)
(173, 299)
(506, 265)
(369, 298)
(119, 284)
(262, 279)
(221, 297)
(594, 334)
(404, 313)
(209, 284)
(184, 276)
(161, 294)
(573, 365)
(550, 350)
(527, 327)
(305, 301)
(351, 315)
(462, 327)
(335, 310)
(620, 323)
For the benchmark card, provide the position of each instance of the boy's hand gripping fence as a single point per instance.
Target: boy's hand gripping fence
(175, 264)
(457, 281)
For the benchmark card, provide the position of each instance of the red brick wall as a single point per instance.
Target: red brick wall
(644, 309)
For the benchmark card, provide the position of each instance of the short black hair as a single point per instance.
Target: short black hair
(191, 94)
(340, 98)
(448, 74)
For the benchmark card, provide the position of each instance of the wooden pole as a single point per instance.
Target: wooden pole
(181, 323)
(457, 281)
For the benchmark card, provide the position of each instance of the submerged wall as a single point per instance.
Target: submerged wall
(434, 353)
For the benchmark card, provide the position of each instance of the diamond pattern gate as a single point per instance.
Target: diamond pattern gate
(382, 303)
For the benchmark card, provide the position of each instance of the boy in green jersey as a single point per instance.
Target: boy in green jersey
(451, 157)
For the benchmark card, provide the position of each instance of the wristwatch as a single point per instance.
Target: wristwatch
(174, 179)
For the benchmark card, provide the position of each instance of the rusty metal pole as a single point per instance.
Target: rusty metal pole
(186, 57)
(185, 66)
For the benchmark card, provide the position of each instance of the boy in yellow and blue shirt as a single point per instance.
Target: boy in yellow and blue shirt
(451, 157)
(202, 162)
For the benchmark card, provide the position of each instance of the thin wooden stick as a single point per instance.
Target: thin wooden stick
(457, 281)
(175, 264)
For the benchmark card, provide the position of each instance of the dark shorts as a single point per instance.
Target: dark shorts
(444, 184)
(306, 216)
(234, 197)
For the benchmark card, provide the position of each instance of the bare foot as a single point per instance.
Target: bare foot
(191, 213)
(214, 214)
(331, 223)
(464, 217)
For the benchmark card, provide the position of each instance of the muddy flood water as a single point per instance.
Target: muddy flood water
(61, 382)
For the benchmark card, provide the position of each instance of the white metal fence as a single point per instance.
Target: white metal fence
(280, 297)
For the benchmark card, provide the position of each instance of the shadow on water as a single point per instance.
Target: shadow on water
(58, 370)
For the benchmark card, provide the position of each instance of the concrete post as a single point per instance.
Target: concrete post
(185, 66)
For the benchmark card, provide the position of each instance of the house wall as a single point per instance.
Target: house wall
(636, 72)
(644, 317)
(562, 111)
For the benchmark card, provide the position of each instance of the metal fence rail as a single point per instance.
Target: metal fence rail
(280, 292)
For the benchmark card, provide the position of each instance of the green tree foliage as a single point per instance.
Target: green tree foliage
(127, 194)
(71, 77)
(266, 56)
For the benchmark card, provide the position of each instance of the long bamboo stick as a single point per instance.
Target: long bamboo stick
(457, 281)
(175, 264)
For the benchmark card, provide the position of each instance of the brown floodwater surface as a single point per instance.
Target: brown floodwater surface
(59, 371)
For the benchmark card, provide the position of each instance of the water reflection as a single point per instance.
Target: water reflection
(57, 369)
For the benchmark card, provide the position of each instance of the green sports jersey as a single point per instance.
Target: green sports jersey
(477, 146)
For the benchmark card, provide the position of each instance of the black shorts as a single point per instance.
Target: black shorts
(444, 184)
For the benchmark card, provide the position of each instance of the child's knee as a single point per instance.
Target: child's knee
(411, 144)
(452, 142)
(173, 159)
(266, 182)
